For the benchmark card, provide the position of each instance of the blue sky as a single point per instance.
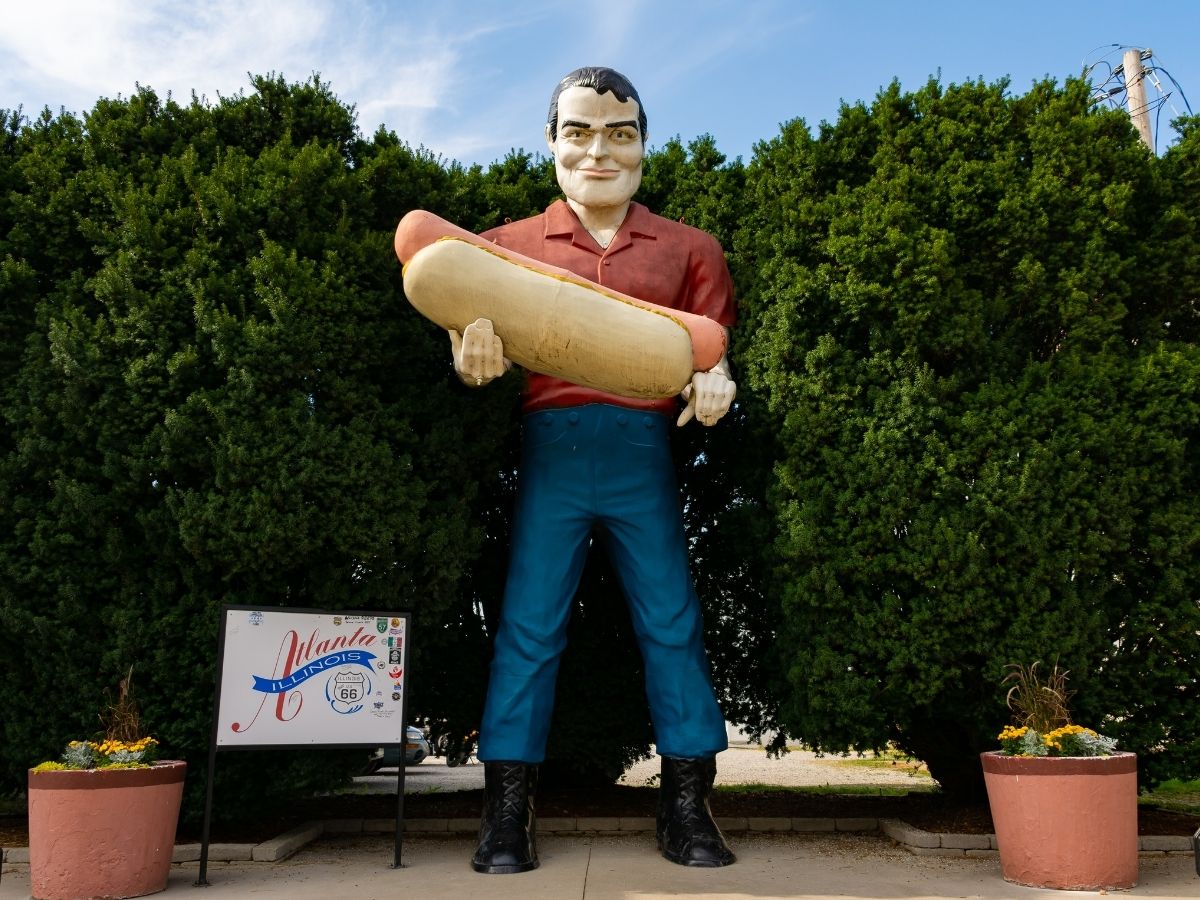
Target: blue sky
(470, 79)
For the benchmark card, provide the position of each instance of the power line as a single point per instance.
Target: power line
(1114, 89)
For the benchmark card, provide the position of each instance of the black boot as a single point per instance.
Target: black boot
(507, 842)
(687, 833)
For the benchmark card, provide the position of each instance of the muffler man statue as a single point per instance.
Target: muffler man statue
(598, 463)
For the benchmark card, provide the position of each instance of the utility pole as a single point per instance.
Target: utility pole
(1135, 94)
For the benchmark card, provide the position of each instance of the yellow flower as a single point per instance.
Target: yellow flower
(1010, 732)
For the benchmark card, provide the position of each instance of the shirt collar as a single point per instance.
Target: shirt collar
(561, 221)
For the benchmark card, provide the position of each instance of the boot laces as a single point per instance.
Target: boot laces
(513, 799)
(692, 787)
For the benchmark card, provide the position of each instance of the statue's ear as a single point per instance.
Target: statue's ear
(549, 139)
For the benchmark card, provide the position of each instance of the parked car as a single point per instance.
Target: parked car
(416, 748)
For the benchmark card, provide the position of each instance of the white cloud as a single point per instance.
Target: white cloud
(85, 50)
(610, 27)
(718, 37)
(399, 67)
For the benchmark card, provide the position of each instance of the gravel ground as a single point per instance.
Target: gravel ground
(740, 764)
(749, 764)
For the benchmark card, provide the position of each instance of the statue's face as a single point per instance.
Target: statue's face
(598, 152)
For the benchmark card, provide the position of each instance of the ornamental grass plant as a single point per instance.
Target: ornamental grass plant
(1042, 720)
(122, 745)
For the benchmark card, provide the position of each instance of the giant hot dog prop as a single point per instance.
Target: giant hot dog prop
(551, 320)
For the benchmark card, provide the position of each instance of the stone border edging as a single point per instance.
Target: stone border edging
(914, 840)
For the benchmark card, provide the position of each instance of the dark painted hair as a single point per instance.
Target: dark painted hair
(599, 79)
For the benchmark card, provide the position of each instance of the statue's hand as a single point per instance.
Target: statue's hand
(478, 353)
(709, 397)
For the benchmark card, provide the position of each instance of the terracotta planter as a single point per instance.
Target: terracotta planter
(1065, 822)
(103, 833)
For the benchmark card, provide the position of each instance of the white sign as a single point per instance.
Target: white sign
(311, 677)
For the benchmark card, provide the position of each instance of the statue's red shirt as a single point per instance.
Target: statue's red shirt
(650, 258)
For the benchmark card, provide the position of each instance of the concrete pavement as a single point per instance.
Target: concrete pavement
(627, 867)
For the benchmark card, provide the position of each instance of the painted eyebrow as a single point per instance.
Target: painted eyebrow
(627, 123)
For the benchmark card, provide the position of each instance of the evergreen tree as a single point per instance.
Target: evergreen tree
(987, 426)
(219, 395)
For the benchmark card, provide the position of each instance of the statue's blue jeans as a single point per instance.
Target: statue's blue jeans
(606, 468)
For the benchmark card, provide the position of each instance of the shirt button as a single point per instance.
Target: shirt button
(648, 421)
(547, 419)
(573, 418)
(607, 262)
(622, 419)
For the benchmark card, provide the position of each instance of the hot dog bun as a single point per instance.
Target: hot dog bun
(551, 320)
(552, 324)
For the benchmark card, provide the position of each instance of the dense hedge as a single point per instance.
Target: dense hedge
(974, 325)
(215, 392)
(967, 430)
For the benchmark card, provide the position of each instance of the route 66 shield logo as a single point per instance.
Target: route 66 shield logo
(346, 690)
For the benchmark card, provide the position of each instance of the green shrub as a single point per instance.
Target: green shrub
(984, 376)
